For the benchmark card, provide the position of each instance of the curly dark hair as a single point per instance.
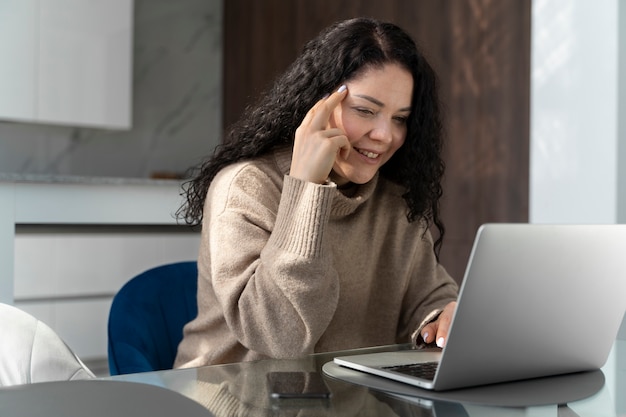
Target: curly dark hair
(340, 53)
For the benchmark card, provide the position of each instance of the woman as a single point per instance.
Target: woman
(316, 211)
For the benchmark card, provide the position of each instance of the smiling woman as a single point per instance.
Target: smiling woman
(373, 116)
(316, 212)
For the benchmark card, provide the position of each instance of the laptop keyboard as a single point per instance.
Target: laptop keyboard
(424, 370)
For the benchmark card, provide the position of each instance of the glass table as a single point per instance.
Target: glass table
(241, 389)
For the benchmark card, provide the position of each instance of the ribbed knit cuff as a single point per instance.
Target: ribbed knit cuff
(302, 217)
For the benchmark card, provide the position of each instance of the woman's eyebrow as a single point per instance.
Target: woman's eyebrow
(378, 102)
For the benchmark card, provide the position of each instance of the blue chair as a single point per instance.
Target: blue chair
(147, 316)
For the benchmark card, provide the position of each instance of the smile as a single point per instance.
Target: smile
(370, 155)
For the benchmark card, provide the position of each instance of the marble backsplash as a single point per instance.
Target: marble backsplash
(177, 100)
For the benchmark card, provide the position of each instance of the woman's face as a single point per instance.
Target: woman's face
(374, 117)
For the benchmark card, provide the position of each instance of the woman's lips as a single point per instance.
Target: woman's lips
(370, 155)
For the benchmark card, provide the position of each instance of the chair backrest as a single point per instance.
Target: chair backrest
(147, 317)
(30, 351)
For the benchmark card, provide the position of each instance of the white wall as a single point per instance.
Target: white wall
(177, 78)
(578, 132)
(575, 99)
(578, 113)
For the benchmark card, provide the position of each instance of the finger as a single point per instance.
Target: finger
(338, 140)
(443, 324)
(429, 332)
(309, 115)
(343, 146)
(321, 115)
(442, 333)
(435, 332)
(344, 151)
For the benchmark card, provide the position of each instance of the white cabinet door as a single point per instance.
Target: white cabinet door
(19, 37)
(66, 62)
(85, 62)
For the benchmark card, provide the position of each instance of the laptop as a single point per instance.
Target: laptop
(536, 300)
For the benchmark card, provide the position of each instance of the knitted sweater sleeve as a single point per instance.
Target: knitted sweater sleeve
(429, 291)
(270, 268)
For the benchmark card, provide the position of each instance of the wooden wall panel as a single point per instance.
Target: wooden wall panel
(481, 51)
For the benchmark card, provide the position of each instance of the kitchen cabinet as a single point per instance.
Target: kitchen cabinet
(67, 62)
(67, 246)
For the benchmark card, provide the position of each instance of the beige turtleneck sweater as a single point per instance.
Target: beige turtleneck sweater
(287, 267)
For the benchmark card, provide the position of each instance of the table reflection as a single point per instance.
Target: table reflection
(241, 390)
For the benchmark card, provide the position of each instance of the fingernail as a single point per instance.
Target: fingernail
(425, 336)
(440, 342)
(342, 89)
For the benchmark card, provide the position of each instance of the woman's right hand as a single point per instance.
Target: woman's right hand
(317, 145)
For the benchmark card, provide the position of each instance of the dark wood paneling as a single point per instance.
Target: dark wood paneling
(486, 82)
(479, 48)
(258, 45)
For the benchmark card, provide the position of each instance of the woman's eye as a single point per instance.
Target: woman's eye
(401, 119)
(365, 112)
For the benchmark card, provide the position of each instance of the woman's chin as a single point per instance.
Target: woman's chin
(342, 178)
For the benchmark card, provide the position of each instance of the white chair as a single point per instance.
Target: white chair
(30, 351)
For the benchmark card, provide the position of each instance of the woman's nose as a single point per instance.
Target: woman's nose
(382, 132)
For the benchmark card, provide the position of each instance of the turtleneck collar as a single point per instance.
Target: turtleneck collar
(342, 205)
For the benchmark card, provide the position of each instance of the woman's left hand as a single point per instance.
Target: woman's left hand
(437, 331)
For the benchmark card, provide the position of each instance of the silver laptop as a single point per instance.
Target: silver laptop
(536, 300)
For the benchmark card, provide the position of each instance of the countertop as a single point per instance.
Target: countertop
(76, 179)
